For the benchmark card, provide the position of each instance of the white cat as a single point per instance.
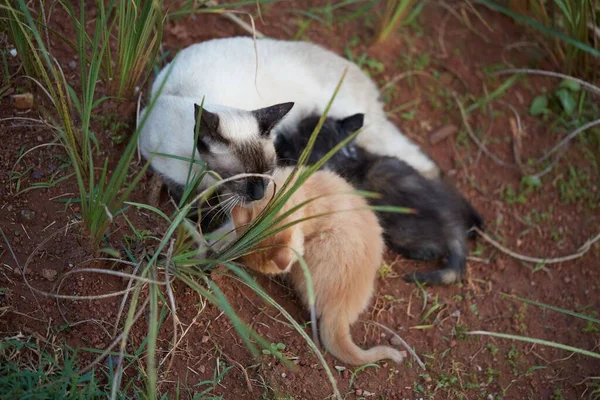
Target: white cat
(226, 74)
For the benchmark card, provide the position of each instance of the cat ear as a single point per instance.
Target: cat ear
(208, 120)
(267, 117)
(283, 257)
(352, 123)
(241, 216)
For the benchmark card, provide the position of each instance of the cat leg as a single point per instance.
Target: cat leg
(452, 272)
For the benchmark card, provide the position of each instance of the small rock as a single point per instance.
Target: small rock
(10, 208)
(567, 279)
(283, 375)
(456, 313)
(205, 338)
(453, 344)
(202, 369)
(17, 233)
(72, 64)
(27, 215)
(358, 392)
(49, 274)
(13, 52)
(23, 101)
(40, 138)
(428, 379)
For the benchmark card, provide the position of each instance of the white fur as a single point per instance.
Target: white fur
(169, 129)
(223, 70)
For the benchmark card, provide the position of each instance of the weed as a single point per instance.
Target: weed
(28, 371)
(576, 187)
(566, 25)
(460, 332)
(558, 394)
(205, 388)
(512, 359)
(370, 65)
(397, 13)
(493, 349)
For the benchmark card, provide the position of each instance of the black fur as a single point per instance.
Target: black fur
(439, 226)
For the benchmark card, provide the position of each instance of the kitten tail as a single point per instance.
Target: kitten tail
(335, 335)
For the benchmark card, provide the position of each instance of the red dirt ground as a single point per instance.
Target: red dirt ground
(458, 366)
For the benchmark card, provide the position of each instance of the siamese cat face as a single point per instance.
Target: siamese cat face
(233, 142)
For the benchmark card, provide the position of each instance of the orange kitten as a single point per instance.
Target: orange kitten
(342, 249)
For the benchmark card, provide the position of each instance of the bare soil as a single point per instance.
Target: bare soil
(432, 320)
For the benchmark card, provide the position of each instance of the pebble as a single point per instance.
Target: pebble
(72, 64)
(13, 52)
(283, 375)
(49, 274)
(567, 279)
(23, 101)
(358, 392)
(27, 215)
(9, 208)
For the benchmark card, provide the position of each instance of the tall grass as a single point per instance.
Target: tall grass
(139, 30)
(101, 194)
(570, 30)
(397, 13)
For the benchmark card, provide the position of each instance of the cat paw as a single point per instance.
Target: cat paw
(445, 276)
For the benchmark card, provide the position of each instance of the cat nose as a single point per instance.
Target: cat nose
(255, 188)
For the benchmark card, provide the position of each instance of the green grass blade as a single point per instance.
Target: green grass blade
(537, 341)
(554, 308)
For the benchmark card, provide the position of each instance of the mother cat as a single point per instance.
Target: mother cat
(235, 75)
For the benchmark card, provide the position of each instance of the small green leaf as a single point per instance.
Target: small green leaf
(531, 181)
(572, 85)
(280, 346)
(539, 106)
(111, 252)
(266, 352)
(409, 116)
(566, 100)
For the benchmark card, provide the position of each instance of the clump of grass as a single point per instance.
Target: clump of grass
(139, 30)
(28, 370)
(570, 30)
(397, 13)
(101, 195)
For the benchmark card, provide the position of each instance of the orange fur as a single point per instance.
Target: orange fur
(342, 249)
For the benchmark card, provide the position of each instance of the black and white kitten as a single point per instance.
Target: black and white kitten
(439, 228)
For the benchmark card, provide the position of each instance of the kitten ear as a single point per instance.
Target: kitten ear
(267, 117)
(208, 120)
(241, 216)
(283, 257)
(353, 123)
